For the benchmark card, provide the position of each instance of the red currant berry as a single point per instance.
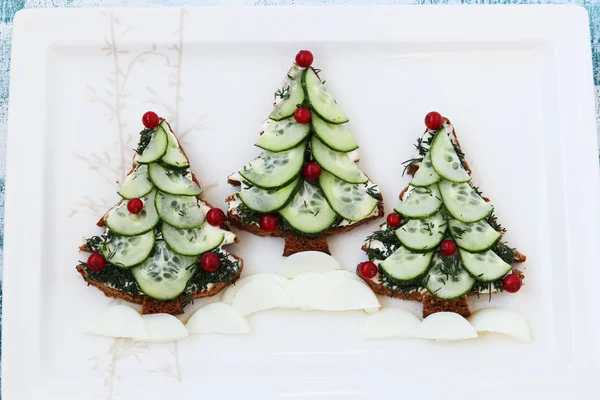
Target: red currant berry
(393, 220)
(135, 206)
(96, 262)
(512, 283)
(367, 270)
(447, 248)
(150, 120)
(304, 58)
(210, 262)
(302, 115)
(215, 217)
(268, 222)
(311, 171)
(434, 120)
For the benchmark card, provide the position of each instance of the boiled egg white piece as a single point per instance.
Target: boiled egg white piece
(217, 318)
(307, 261)
(230, 293)
(163, 328)
(390, 323)
(502, 321)
(261, 294)
(118, 321)
(445, 326)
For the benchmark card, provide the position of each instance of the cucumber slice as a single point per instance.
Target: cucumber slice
(463, 203)
(423, 234)
(164, 276)
(405, 265)
(266, 201)
(137, 184)
(121, 221)
(485, 267)
(422, 202)
(182, 212)
(425, 175)
(195, 241)
(309, 211)
(173, 181)
(474, 237)
(156, 148)
(282, 135)
(174, 155)
(275, 170)
(334, 136)
(127, 251)
(351, 201)
(444, 159)
(320, 100)
(293, 94)
(337, 163)
(447, 286)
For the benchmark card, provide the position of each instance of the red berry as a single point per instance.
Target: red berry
(96, 262)
(135, 206)
(215, 217)
(304, 58)
(367, 270)
(393, 220)
(210, 262)
(447, 248)
(302, 115)
(311, 171)
(434, 120)
(512, 283)
(150, 120)
(268, 222)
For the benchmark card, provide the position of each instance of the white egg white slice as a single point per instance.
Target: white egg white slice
(445, 326)
(217, 318)
(118, 321)
(307, 261)
(391, 323)
(261, 294)
(231, 291)
(501, 320)
(163, 328)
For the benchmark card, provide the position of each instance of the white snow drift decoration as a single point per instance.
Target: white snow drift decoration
(260, 294)
(445, 326)
(118, 321)
(307, 261)
(391, 323)
(230, 293)
(217, 318)
(503, 321)
(163, 328)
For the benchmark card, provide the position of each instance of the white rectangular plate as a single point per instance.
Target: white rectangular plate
(515, 81)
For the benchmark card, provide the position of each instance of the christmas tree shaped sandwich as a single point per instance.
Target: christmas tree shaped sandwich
(306, 183)
(443, 241)
(162, 245)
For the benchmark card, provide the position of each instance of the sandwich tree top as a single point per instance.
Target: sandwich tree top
(444, 237)
(161, 240)
(306, 181)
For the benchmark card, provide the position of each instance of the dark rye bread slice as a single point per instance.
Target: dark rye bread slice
(149, 305)
(432, 304)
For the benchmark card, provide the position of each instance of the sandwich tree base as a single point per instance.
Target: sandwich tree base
(296, 244)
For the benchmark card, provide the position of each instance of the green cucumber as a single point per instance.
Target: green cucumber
(337, 163)
(292, 94)
(463, 202)
(165, 274)
(406, 265)
(351, 201)
(282, 135)
(309, 211)
(174, 155)
(127, 251)
(421, 202)
(195, 241)
(447, 286)
(121, 221)
(173, 181)
(137, 184)
(425, 175)
(320, 100)
(266, 201)
(275, 170)
(182, 212)
(333, 136)
(485, 267)
(156, 148)
(423, 235)
(474, 237)
(444, 159)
